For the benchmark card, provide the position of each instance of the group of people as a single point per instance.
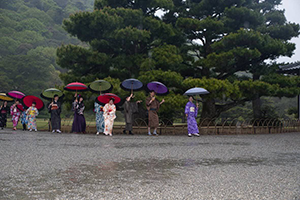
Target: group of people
(105, 115)
(17, 112)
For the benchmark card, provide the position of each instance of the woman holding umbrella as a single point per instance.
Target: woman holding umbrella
(128, 110)
(79, 124)
(55, 109)
(4, 109)
(15, 113)
(152, 106)
(109, 116)
(32, 112)
(191, 112)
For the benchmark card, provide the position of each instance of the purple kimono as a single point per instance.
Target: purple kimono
(191, 111)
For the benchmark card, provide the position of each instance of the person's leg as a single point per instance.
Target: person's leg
(149, 131)
(155, 131)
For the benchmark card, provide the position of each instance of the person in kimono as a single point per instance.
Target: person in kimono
(55, 109)
(24, 120)
(191, 112)
(109, 112)
(4, 109)
(99, 118)
(32, 112)
(129, 108)
(79, 124)
(15, 113)
(153, 105)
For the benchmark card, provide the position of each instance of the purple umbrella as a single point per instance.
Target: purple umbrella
(16, 94)
(157, 87)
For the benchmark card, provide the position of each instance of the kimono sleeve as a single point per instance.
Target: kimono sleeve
(187, 109)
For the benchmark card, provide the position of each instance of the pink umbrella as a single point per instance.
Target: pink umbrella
(16, 94)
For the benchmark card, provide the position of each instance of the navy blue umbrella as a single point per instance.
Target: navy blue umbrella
(131, 84)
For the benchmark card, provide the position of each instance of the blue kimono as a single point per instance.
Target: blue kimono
(192, 112)
(99, 118)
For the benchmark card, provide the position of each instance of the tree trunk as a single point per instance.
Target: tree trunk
(256, 107)
(256, 102)
(209, 109)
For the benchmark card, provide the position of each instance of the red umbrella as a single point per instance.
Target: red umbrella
(29, 99)
(104, 98)
(16, 94)
(76, 86)
(20, 107)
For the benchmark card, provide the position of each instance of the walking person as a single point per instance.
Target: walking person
(153, 106)
(109, 116)
(4, 109)
(129, 108)
(15, 113)
(79, 124)
(99, 118)
(32, 112)
(191, 112)
(55, 109)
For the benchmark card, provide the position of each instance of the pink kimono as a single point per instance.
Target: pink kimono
(15, 114)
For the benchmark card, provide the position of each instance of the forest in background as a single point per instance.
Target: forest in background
(31, 31)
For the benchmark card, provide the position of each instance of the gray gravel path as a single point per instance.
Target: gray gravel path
(72, 166)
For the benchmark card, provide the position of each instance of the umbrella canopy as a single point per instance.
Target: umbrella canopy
(4, 97)
(131, 84)
(157, 87)
(49, 93)
(15, 94)
(76, 86)
(104, 98)
(20, 107)
(195, 91)
(100, 86)
(29, 99)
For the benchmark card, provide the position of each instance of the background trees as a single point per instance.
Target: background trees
(228, 47)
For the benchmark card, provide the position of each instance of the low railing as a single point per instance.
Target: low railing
(206, 126)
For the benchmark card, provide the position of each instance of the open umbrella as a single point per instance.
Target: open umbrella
(157, 87)
(20, 107)
(4, 97)
(104, 98)
(76, 86)
(29, 99)
(100, 86)
(195, 91)
(16, 94)
(131, 84)
(49, 93)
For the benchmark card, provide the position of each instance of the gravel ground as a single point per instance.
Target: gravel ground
(74, 166)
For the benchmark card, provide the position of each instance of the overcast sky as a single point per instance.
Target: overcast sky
(292, 13)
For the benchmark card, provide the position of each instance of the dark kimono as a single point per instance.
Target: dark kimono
(3, 116)
(79, 124)
(129, 109)
(153, 120)
(55, 111)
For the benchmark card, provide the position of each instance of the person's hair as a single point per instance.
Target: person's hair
(152, 91)
(191, 96)
(112, 99)
(34, 102)
(55, 95)
(17, 100)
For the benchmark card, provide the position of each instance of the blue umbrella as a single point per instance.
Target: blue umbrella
(195, 91)
(131, 84)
